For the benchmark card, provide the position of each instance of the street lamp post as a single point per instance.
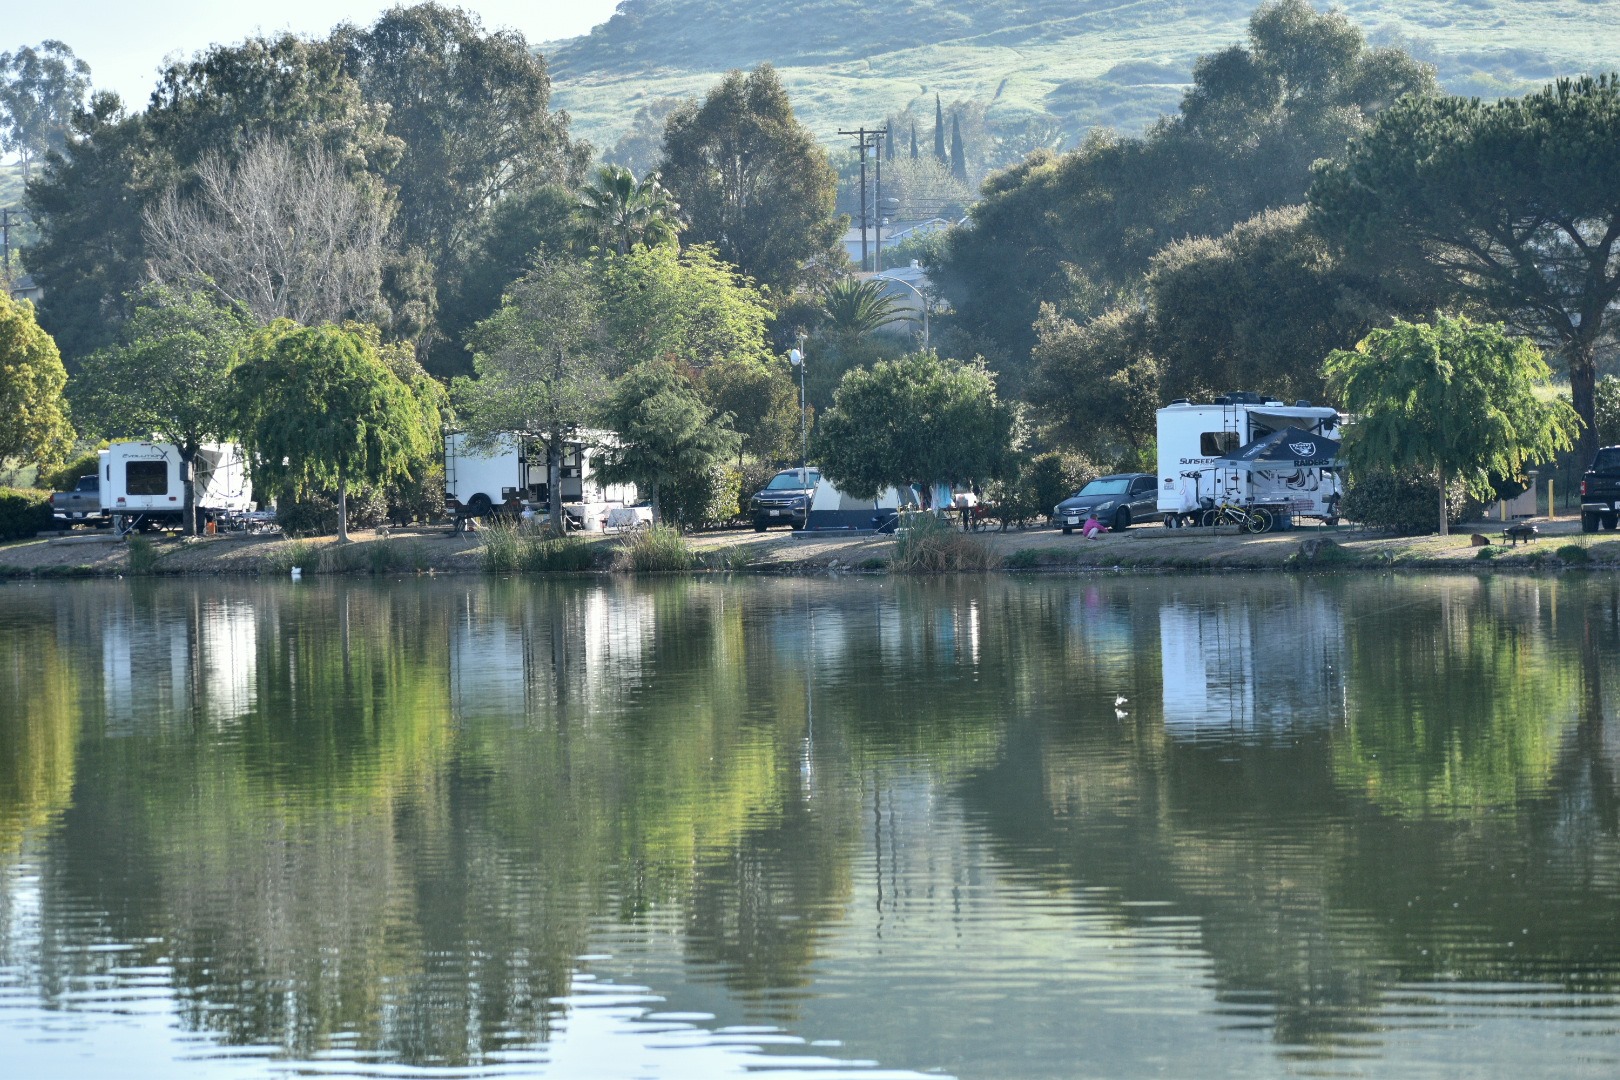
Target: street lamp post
(796, 358)
(921, 300)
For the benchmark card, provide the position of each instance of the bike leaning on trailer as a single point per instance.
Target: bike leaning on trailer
(1255, 519)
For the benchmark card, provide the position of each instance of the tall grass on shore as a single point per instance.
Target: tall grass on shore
(929, 545)
(143, 556)
(509, 548)
(659, 548)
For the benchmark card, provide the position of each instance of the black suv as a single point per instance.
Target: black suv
(1117, 501)
(1600, 491)
(785, 500)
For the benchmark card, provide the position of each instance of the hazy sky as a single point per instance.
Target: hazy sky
(126, 41)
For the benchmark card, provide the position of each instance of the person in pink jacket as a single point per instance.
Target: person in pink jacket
(1093, 528)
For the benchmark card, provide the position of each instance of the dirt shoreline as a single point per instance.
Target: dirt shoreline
(436, 550)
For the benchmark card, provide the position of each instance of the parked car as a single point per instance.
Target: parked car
(1116, 500)
(1600, 491)
(785, 500)
(83, 503)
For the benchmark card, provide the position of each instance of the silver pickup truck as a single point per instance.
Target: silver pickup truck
(82, 504)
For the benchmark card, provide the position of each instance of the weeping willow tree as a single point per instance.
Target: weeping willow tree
(1450, 398)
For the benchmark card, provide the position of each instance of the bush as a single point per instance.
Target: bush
(315, 513)
(414, 497)
(1401, 503)
(67, 477)
(143, 556)
(509, 548)
(928, 544)
(24, 512)
(286, 556)
(1574, 553)
(703, 499)
(659, 548)
(755, 475)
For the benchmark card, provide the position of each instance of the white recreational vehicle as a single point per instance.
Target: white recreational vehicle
(509, 477)
(142, 486)
(1195, 441)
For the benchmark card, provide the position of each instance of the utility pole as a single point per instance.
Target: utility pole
(877, 200)
(863, 140)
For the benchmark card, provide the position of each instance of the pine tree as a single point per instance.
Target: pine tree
(939, 133)
(958, 155)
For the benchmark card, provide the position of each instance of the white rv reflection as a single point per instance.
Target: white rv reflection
(1251, 668)
(545, 652)
(179, 664)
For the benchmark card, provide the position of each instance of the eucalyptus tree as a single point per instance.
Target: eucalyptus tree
(753, 181)
(40, 90)
(1514, 204)
(1451, 397)
(318, 408)
(168, 374)
(620, 212)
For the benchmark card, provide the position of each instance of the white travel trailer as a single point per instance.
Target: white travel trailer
(509, 477)
(142, 486)
(1193, 440)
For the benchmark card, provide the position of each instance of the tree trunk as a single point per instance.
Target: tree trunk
(1582, 363)
(1445, 526)
(554, 496)
(343, 510)
(188, 488)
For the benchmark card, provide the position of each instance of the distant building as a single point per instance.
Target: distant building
(894, 233)
(25, 287)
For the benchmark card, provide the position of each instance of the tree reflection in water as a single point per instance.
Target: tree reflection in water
(393, 819)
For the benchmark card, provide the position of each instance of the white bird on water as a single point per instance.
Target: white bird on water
(1119, 700)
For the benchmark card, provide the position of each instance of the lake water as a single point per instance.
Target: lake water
(998, 828)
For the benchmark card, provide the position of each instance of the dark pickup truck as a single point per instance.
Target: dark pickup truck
(82, 504)
(1600, 491)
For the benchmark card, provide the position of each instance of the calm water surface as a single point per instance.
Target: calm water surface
(1134, 826)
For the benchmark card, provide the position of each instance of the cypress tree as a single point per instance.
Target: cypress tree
(914, 154)
(888, 140)
(958, 155)
(939, 133)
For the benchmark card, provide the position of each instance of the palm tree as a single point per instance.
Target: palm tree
(858, 307)
(621, 212)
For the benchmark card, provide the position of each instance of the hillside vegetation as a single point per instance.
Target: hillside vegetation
(1061, 66)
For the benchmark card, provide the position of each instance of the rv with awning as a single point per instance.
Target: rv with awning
(1249, 449)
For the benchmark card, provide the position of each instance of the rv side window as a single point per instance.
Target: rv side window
(146, 477)
(1217, 443)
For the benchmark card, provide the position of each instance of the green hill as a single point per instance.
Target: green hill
(1047, 69)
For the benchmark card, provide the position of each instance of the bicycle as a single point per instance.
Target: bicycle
(1255, 519)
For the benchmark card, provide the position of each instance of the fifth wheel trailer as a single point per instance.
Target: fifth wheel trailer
(142, 485)
(508, 476)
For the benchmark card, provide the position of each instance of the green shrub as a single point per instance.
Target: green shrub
(1406, 504)
(1024, 559)
(755, 475)
(24, 512)
(874, 562)
(67, 477)
(1487, 553)
(659, 548)
(1574, 553)
(417, 496)
(288, 555)
(704, 499)
(509, 548)
(927, 544)
(315, 513)
(143, 556)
